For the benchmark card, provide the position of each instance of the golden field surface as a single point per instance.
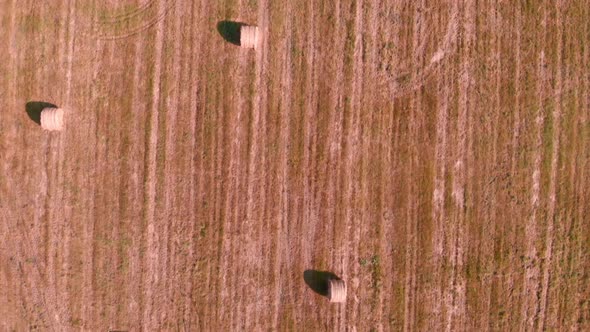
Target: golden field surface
(435, 155)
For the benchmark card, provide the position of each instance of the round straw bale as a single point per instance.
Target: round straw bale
(336, 290)
(249, 36)
(52, 118)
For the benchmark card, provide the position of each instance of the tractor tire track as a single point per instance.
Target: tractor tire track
(551, 215)
(150, 261)
(532, 273)
(411, 211)
(457, 311)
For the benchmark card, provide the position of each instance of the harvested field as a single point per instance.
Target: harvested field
(435, 155)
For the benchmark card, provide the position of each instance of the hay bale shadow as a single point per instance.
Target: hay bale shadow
(318, 280)
(34, 109)
(230, 31)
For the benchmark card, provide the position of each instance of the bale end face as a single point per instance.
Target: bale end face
(337, 290)
(249, 36)
(52, 119)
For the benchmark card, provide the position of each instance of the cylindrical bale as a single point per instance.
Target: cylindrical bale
(248, 36)
(52, 118)
(336, 290)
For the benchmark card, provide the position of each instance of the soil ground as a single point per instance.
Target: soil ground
(433, 154)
